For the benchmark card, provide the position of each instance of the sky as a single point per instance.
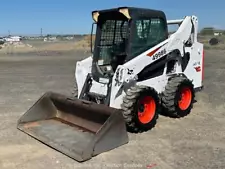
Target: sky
(27, 17)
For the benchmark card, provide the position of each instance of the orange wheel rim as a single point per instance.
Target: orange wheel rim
(148, 108)
(185, 99)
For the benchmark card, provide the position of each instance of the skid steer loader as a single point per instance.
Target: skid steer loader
(137, 71)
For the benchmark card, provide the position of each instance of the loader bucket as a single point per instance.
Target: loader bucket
(76, 128)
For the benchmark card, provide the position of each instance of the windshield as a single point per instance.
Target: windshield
(112, 41)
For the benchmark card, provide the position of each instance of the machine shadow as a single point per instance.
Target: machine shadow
(162, 112)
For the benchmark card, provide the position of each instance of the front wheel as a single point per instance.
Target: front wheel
(140, 108)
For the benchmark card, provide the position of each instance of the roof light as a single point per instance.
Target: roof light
(125, 12)
(95, 16)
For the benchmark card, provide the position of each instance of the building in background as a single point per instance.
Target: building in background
(13, 39)
(218, 32)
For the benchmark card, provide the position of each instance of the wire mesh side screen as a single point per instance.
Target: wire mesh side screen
(113, 35)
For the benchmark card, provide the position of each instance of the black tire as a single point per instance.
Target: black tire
(172, 94)
(130, 107)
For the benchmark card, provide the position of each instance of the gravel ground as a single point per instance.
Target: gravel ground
(195, 142)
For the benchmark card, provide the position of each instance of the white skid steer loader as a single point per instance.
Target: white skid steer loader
(136, 72)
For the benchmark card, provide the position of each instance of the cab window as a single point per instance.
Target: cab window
(146, 34)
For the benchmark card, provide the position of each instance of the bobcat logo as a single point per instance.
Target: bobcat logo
(130, 72)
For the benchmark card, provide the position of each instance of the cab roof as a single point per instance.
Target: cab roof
(131, 13)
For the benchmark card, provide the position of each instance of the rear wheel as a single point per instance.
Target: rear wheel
(140, 108)
(178, 97)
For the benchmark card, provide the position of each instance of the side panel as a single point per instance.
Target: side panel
(195, 67)
(117, 89)
(158, 83)
(82, 69)
(120, 85)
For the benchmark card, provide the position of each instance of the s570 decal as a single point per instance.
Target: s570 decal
(159, 54)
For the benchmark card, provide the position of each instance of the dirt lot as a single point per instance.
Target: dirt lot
(196, 141)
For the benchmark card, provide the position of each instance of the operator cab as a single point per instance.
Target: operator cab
(124, 33)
